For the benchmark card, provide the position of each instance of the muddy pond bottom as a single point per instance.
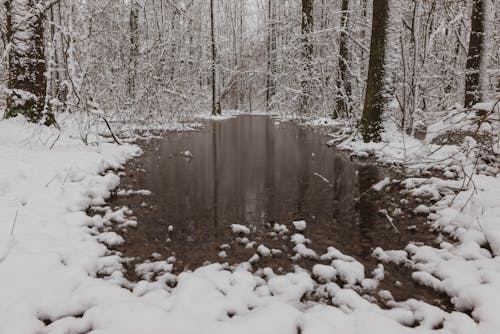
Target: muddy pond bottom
(253, 171)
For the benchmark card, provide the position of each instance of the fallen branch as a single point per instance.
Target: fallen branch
(14, 223)
(110, 131)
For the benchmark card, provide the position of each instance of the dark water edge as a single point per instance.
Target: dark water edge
(250, 171)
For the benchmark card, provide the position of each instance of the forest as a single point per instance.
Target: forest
(157, 61)
(249, 166)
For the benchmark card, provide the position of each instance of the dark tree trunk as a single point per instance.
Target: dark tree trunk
(215, 104)
(307, 29)
(134, 48)
(475, 56)
(375, 89)
(27, 84)
(271, 54)
(343, 81)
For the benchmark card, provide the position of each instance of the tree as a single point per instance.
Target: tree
(271, 54)
(375, 90)
(343, 81)
(216, 109)
(307, 50)
(27, 84)
(475, 57)
(134, 47)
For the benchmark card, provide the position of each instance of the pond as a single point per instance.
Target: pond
(253, 171)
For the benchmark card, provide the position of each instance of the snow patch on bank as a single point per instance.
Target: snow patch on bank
(466, 208)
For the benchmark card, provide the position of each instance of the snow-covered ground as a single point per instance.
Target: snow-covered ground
(462, 177)
(52, 253)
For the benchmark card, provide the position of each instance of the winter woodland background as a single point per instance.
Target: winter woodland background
(151, 61)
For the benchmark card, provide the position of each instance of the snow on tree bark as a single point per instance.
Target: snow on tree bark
(375, 99)
(271, 55)
(343, 80)
(307, 50)
(27, 84)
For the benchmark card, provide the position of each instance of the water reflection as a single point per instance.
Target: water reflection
(250, 171)
(367, 176)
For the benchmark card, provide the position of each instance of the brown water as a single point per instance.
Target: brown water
(250, 171)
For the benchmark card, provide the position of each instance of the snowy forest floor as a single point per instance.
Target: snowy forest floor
(58, 273)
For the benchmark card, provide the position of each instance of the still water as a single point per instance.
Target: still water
(250, 170)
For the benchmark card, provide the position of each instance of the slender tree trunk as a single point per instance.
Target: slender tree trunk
(307, 29)
(27, 84)
(215, 104)
(134, 49)
(375, 90)
(54, 69)
(414, 80)
(344, 80)
(475, 56)
(234, 29)
(62, 95)
(173, 49)
(271, 54)
(240, 80)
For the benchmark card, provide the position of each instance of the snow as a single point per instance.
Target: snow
(280, 228)
(304, 252)
(254, 258)
(263, 250)
(298, 238)
(421, 210)
(123, 192)
(147, 269)
(333, 253)
(300, 248)
(324, 273)
(487, 106)
(326, 121)
(52, 253)
(50, 259)
(110, 238)
(466, 208)
(240, 229)
(382, 184)
(187, 154)
(300, 225)
(350, 272)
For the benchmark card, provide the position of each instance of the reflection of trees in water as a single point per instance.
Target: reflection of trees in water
(343, 193)
(270, 177)
(367, 176)
(248, 171)
(215, 161)
(304, 172)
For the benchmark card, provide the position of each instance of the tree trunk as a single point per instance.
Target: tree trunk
(27, 84)
(375, 89)
(215, 104)
(134, 48)
(475, 56)
(307, 29)
(343, 81)
(271, 54)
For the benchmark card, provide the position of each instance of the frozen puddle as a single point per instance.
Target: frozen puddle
(247, 190)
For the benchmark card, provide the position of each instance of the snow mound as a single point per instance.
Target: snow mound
(300, 225)
(240, 229)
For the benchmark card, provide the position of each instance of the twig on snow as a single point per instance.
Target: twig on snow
(14, 223)
(66, 177)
